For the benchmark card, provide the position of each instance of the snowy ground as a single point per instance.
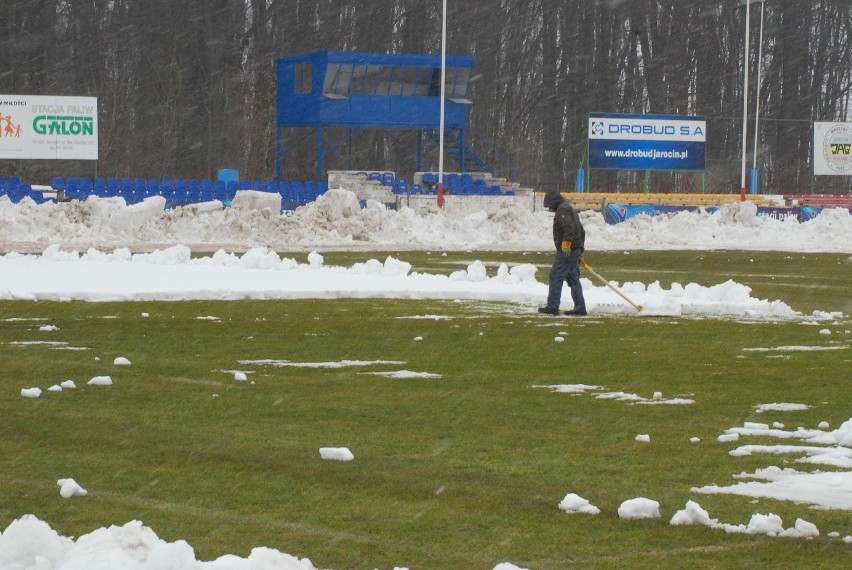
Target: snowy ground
(144, 253)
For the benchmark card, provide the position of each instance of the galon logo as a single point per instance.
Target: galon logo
(8, 128)
(837, 148)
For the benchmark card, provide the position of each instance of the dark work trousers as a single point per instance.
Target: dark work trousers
(566, 268)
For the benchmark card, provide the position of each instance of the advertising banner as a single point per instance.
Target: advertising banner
(45, 127)
(833, 149)
(646, 142)
(617, 213)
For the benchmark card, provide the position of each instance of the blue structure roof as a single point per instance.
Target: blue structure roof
(371, 90)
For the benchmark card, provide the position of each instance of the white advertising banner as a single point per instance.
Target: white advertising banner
(833, 149)
(45, 127)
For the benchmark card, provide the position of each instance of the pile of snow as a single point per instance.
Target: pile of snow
(30, 543)
(170, 271)
(639, 508)
(100, 381)
(770, 525)
(174, 274)
(70, 488)
(336, 220)
(573, 503)
(336, 453)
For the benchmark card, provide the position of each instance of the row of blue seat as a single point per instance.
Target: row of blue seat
(154, 185)
(177, 192)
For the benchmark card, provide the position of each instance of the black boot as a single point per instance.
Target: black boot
(548, 311)
(577, 312)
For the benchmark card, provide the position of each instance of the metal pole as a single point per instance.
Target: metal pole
(443, 90)
(745, 100)
(757, 104)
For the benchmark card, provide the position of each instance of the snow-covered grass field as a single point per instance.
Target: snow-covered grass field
(476, 427)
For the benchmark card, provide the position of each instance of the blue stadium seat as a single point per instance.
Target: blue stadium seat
(140, 191)
(154, 187)
(72, 188)
(193, 191)
(401, 186)
(180, 195)
(258, 185)
(83, 194)
(377, 176)
(16, 192)
(58, 183)
(232, 186)
(126, 192)
(11, 187)
(206, 194)
(245, 185)
(271, 186)
(387, 179)
(322, 187)
(220, 191)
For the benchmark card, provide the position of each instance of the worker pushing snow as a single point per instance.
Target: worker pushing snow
(569, 237)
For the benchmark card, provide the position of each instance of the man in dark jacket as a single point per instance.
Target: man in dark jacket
(569, 238)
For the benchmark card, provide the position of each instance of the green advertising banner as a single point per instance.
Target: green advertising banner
(44, 127)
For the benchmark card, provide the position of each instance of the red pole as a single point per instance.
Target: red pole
(441, 193)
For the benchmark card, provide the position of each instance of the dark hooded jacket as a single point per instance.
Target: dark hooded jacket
(566, 222)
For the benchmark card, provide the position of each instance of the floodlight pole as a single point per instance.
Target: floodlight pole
(441, 122)
(754, 173)
(745, 99)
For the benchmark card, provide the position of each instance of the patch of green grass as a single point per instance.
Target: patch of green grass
(462, 471)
